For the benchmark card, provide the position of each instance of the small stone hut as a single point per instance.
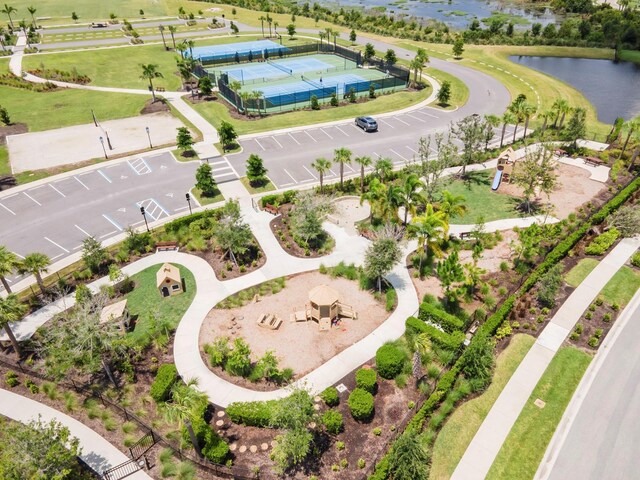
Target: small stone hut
(168, 280)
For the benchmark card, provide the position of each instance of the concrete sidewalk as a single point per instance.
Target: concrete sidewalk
(486, 444)
(97, 452)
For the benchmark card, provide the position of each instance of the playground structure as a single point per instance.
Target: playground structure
(506, 163)
(324, 307)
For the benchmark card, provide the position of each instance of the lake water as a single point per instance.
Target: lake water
(613, 88)
(457, 13)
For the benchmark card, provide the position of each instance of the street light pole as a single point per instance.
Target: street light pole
(144, 215)
(148, 136)
(189, 202)
(103, 149)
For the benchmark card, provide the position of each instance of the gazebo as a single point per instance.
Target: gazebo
(324, 303)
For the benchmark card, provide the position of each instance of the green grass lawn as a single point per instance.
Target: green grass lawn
(267, 187)
(202, 200)
(577, 274)
(525, 445)
(457, 433)
(5, 168)
(481, 200)
(459, 90)
(89, 10)
(621, 288)
(177, 153)
(145, 300)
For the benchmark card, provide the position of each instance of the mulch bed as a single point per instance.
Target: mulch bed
(155, 107)
(13, 129)
(221, 265)
(288, 244)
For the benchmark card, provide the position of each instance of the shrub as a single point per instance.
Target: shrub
(166, 377)
(606, 318)
(579, 328)
(330, 396)
(333, 422)
(574, 336)
(593, 342)
(504, 266)
(615, 307)
(218, 351)
(215, 448)
(33, 387)
(252, 414)
(635, 259)
(504, 331)
(602, 242)
(377, 431)
(549, 285)
(390, 299)
(598, 333)
(11, 379)
(361, 404)
(389, 361)
(361, 463)
(588, 315)
(367, 380)
(448, 341)
(448, 322)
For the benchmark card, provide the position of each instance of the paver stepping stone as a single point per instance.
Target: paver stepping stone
(273, 443)
(220, 413)
(264, 446)
(242, 449)
(220, 423)
(233, 447)
(253, 449)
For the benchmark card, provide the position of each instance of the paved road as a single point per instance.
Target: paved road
(55, 217)
(603, 440)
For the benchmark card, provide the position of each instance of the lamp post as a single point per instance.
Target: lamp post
(103, 149)
(189, 202)
(144, 215)
(148, 136)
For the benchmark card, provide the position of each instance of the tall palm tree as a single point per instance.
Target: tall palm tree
(275, 28)
(36, 264)
(149, 72)
(11, 310)
(161, 28)
(632, 126)
(364, 162)
(546, 116)
(507, 119)
(185, 401)
(172, 31)
(342, 155)
(490, 122)
(245, 96)
(383, 168)
(410, 193)
(2, 33)
(430, 229)
(269, 21)
(376, 196)
(262, 19)
(322, 34)
(416, 65)
(8, 263)
(32, 10)
(190, 44)
(452, 205)
(180, 48)
(518, 111)
(8, 10)
(528, 110)
(257, 96)
(321, 165)
(391, 202)
(558, 106)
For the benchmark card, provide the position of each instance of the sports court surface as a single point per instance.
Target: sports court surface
(231, 49)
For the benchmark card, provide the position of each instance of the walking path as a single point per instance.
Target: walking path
(97, 452)
(486, 444)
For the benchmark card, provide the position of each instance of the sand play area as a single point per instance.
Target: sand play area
(301, 345)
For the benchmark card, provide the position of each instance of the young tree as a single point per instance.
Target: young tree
(410, 195)
(433, 170)
(352, 36)
(205, 181)
(36, 264)
(369, 52)
(322, 166)
(256, 173)
(382, 255)
(408, 459)
(184, 140)
(549, 285)
(490, 123)
(444, 94)
(11, 311)
(291, 30)
(232, 234)
(390, 57)
(8, 263)
(478, 362)
(205, 86)
(364, 162)
(626, 220)
(341, 156)
(458, 47)
(150, 72)
(227, 134)
(94, 255)
(307, 217)
(383, 168)
(315, 105)
(450, 273)
(4, 116)
(536, 171)
(74, 16)
(234, 28)
(632, 125)
(469, 132)
(576, 127)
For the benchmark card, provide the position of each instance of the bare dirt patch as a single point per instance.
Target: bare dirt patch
(300, 346)
(13, 129)
(154, 107)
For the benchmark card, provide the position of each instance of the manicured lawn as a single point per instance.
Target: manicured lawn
(621, 288)
(267, 187)
(5, 168)
(202, 200)
(66, 107)
(577, 274)
(459, 90)
(178, 154)
(630, 55)
(89, 10)
(145, 300)
(457, 433)
(525, 445)
(481, 200)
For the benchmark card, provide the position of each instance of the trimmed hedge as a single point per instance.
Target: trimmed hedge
(330, 396)
(166, 377)
(433, 314)
(367, 379)
(175, 225)
(251, 414)
(389, 361)
(602, 242)
(450, 341)
(333, 422)
(278, 198)
(361, 405)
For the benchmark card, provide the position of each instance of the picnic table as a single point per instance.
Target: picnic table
(593, 161)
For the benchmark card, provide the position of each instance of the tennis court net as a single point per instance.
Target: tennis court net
(288, 71)
(312, 82)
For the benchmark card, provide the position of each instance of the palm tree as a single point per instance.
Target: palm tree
(269, 21)
(257, 96)
(452, 205)
(364, 162)
(190, 44)
(8, 10)
(11, 310)
(632, 126)
(391, 202)
(507, 119)
(491, 122)
(185, 401)
(181, 48)
(245, 96)
(322, 34)
(321, 165)
(528, 110)
(518, 110)
(184, 69)
(430, 229)
(558, 105)
(149, 72)
(36, 264)
(342, 155)
(383, 168)
(376, 196)
(275, 28)
(410, 193)
(262, 19)
(546, 116)
(2, 33)
(161, 28)
(172, 31)
(8, 263)
(32, 10)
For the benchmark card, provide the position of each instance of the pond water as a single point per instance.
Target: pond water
(612, 87)
(457, 13)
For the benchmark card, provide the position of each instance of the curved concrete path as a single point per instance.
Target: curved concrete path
(97, 452)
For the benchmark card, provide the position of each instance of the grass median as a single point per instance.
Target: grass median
(457, 433)
(527, 441)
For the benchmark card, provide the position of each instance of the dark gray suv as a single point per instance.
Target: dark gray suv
(368, 124)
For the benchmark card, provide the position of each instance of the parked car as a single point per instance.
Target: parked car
(368, 124)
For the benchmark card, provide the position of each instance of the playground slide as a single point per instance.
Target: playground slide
(496, 180)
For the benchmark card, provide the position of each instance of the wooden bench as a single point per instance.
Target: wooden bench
(593, 161)
(560, 152)
(270, 321)
(167, 247)
(368, 234)
(463, 235)
(271, 209)
(160, 89)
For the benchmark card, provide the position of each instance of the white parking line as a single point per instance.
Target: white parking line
(18, 255)
(346, 165)
(83, 231)
(10, 196)
(275, 140)
(112, 222)
(342, 130)
(421, 120)
(401, 121)
(286, 184)
(7, 209)
(58, 256)
(310, 172)
(80, 182)
(290, 176)
(56, 244)
(333, 173)
(414, 151)
(322, 130)
(57, 190)
(309, 135)
(104, 176)
(221, 168)
(108, 234)
(221, 162)
(263, 149)
(376, 154)
(425, 113)
(294, 139)
(387, 123)
(226, 174)
(393, 151)
(29, 196)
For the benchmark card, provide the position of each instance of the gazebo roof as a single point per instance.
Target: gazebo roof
(167, 271)
(323, 295)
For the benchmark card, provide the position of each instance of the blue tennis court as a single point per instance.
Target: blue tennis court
(229, 50)
(271, 70)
